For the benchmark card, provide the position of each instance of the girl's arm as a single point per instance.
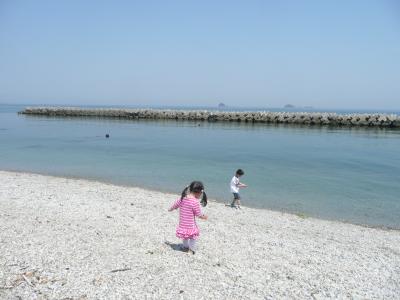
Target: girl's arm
(204, 217)
(175, 205)
(197, 211)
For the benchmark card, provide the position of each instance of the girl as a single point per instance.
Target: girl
(189, 208)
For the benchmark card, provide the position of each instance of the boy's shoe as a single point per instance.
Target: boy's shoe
(239, 207)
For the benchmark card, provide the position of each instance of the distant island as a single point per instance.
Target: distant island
(221, 105)
(298, 107)
(289, 106)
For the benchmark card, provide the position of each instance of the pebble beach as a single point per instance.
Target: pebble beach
(64, 238)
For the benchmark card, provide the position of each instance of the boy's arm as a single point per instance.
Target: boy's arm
(239, 184)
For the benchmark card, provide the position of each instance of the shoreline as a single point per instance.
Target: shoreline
(296, 214)
(80, 239)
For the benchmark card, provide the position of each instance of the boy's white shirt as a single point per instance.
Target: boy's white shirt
(234, 185)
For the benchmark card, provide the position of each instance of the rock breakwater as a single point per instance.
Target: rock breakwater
(297, 118)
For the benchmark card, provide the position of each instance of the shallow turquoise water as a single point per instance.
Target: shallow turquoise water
(344, 174)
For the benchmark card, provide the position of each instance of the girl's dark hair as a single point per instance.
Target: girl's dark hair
(203, 200)
(195, 187)
(240, 172)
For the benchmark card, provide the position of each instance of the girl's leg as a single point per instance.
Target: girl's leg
(185, 243)
(192, 245)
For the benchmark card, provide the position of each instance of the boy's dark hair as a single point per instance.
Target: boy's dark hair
(239, 172)
(195, 187)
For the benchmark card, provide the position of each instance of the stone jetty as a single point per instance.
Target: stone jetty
(298, 118)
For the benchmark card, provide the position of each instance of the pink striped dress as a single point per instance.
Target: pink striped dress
(189, 208)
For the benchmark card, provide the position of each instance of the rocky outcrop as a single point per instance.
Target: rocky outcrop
(300, 118)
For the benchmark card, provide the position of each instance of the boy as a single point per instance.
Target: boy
(235, 186)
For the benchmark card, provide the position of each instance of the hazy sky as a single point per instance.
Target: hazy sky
(326, 54)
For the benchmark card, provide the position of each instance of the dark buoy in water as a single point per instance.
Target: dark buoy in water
(107, 135)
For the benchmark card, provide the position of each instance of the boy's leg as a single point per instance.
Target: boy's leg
(234, 200)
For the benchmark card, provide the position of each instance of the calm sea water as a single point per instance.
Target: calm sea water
(347, 174)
